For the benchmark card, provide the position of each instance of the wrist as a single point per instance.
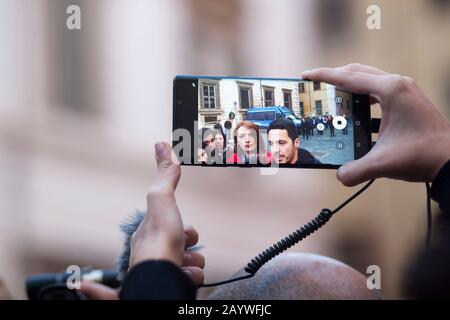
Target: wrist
(156, 252)
(154, 257)
(441, 157)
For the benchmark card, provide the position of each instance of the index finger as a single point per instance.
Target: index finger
(357, 67)
(355, 82)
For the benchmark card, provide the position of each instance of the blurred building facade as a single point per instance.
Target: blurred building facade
(81, 110)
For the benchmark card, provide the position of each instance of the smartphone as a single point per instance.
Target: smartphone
(257, 122)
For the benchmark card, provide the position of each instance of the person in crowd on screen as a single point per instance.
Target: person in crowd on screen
(284, 144)
(249, 147)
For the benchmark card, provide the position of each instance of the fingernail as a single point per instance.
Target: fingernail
(159, 149)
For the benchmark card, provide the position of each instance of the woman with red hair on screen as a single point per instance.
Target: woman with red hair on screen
(249, 147)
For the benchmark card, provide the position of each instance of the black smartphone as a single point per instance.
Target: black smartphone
(258, 122)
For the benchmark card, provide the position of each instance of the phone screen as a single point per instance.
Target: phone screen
(230, 121)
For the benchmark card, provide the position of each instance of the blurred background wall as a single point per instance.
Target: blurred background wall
(81, 110)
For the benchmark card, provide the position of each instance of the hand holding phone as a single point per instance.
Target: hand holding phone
(414, 139)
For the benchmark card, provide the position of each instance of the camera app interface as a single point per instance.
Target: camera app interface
(261, 122)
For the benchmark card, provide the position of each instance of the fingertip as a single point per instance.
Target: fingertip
(308, 74)
(340, 174)
(161, 150)
(305, 74)
(344, 177)
(191, 236)
(97, 291)
(163, 144)
(86, 285)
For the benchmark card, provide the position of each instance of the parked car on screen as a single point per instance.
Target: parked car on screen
(264, 116)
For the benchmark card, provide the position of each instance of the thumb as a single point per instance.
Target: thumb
(169, 171)
(160, 236)
(358, 171)
(162, 211)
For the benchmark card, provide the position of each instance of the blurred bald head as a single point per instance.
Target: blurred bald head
(299, 276)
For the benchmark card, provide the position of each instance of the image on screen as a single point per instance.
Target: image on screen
(290, 122)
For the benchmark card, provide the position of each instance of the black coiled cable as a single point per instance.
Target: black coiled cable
(312, 226)
(291, 240)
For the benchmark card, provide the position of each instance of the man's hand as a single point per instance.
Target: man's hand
(161, 235)
(193, 264)
(414, 138)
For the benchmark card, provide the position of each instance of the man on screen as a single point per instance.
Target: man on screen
(285, 144)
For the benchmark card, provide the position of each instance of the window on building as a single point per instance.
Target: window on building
(269, 97)
(316, 85)
(245, 98)
(209, 96)
(301, 87)
(209, 120)
(287, 98)
(302, 109)
(339, 107)
(245, 95)
(319, 111)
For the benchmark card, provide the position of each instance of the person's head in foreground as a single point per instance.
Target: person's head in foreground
(299, 276)
(290, 276)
